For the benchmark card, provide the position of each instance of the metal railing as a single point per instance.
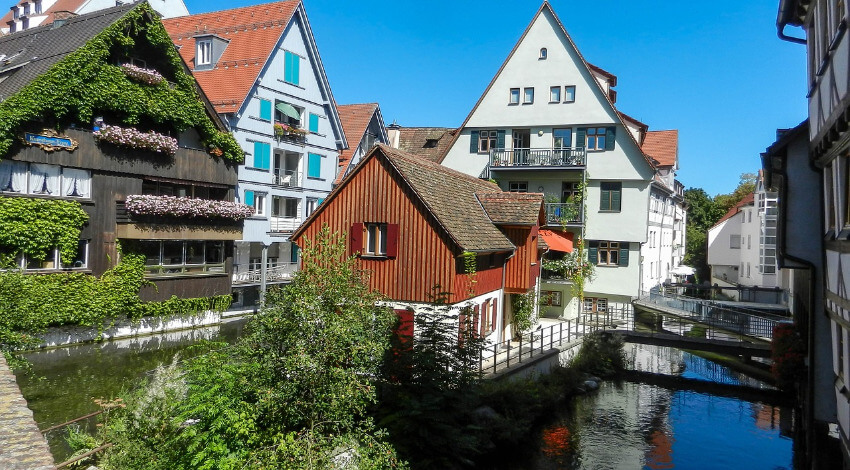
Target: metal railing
(564, 213)
(284, 224)
(278, 272)
(560, 157)
(286, 178)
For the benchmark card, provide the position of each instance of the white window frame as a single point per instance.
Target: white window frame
(518, 186)
(513, 97)
(259, 204)
(554, 94)
(528, 95)
(487, 140)
(376, 240)
(608, 247)
(569, 94)
(203, 54)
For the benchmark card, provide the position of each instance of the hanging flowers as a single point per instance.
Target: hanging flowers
(142, 75)
(130, 137)
(171, 206)
(281, 129)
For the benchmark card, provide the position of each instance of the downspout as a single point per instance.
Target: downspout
(783, 18)
(504, 295)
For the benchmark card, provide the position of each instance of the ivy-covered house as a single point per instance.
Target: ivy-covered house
(108, 148)
(261, 69)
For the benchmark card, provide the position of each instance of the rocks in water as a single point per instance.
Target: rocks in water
(590, 385)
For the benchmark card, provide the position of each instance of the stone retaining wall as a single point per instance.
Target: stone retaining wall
(22, 447)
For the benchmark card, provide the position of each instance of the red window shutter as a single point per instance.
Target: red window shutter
(355, 238)
(475, 317)
(494, 316)
(405, 324)
(392, 240)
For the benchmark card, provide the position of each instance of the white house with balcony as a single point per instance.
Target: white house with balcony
(262, 71)
(26, 14)
(548, 123)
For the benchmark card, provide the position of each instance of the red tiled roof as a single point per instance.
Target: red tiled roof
(430, 143)
(355, 120)
(60, 5)
(253, 33)
(747, 200)
(612, 79)
(662, 146)
(511, 208)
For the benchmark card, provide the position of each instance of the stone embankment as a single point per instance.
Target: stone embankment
(22, 447)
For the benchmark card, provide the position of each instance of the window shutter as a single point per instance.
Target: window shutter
(314, 165)
(500, 139)
(615, 198)
(494, 316)
(265, 109)
(249, 198)
(293, 253)
(258, 154)
(610, 133)
(593, 253)
(296, 65)
(581, 137)
(314, 123)
(287, 66)
(355, 239)
(605, 199)
(392, 240)
(267, 156)
(473, 142)
(319, 202)
(624, 255)
(475, 317)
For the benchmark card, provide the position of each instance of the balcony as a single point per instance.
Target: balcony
(139, 227)
(567, 213)
(289, 133)
(275, 273)
(535, 158)
(286, 178)
(284, 224)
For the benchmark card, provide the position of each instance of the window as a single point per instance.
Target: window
(376, 240)
(608, 253)
(528, 96)
(610, 196)
(518, 186)
(37, 7)
(555, 94)
(12, 26)
(595, 305)
(256, 200)
(288, 114)
(749, 216)
(286, 207)
(749, 242)
(44, 180)
(543, 53)
(262, 155)
(596, 138)
(180, 257)
(313, 123)
(291, 67)
(26, 8)
(551, 298)
(487, 140)
(25, 23)
(16, 13)
(569, 94)
(265, 110)
(563, 138)
(514, 99)
(748, 269)
(314, 165)
(310, 206)
(204, 54)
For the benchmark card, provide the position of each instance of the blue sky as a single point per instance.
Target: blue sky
(714, 70)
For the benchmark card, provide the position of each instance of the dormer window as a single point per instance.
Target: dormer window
(204, 55)
(25, 23)
(26, 6)
(37, 7)
(16, 13)
(12, 26)
(543, 53)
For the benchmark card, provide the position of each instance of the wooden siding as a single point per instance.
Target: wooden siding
(486, 280)
(523, 268)
(425, 253)
(187, 287)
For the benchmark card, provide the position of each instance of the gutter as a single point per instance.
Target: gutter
(785, 17)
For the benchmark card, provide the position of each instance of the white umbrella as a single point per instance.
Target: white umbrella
(682, 271)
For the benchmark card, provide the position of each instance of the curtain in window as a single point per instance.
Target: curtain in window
(76, 183)
(13, 176)
(5, 175)
(45, 179)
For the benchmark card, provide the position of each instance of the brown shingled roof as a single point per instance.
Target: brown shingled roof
(747, 200)
(662, 146)
(355, 120)
(512, 208)
(430, 143)
(253, 33)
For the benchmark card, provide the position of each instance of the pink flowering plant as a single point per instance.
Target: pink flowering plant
(281, 129)
(186, 207)
(129, 137)
(142, 75)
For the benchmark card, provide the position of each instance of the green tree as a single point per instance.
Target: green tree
(746, 185)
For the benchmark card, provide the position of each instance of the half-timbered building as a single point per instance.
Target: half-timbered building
(420, 228)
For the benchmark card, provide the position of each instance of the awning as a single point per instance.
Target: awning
(682, 270)
(558, 241)
(288, 110)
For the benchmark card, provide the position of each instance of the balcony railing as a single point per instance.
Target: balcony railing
(297, 137)
(560, 157)
(567, 213)
(284, 224)
(276, 272)
(287, 178)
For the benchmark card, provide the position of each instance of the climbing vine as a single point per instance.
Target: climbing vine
(35, 226)
(470, 261)
(523, 311)
(87, 82)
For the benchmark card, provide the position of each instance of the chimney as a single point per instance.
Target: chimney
(393, 134)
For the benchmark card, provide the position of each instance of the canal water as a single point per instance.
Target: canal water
(623, 425)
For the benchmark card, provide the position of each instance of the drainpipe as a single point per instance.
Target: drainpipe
(784, 18)
(504, 295)
(263, 273)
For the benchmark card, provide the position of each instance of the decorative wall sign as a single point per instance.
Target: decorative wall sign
(50, 141)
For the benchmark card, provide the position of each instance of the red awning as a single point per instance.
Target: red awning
(558, 241)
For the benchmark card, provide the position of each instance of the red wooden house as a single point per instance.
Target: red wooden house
(412, 221)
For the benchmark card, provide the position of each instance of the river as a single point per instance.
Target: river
(623, 425)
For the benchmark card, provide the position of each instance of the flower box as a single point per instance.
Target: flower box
(129, 137)
(186, 207)
(282, 130)
(142, 75)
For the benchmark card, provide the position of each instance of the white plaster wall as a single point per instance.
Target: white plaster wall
(719, 242)
(629, 224)
(166, 8)
(611, 281)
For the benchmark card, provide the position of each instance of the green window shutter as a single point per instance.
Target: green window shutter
(296, 66)
(593, 253)
(293, 254)
(581, 137)
(249, 198)
(314, 123)
(319, 202)
(610, 133)
(500, 139)
(258, 154)
(314, 165)
(605, 199)
(287, 66)
(473, 142)
(266, 110)
(624, 254)
(616, 195)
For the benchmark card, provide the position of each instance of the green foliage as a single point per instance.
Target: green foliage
(35, 226)
(87, 83)
(293, 394)
(746, 185)
(523, 311)
(788, 351)
(601, 354)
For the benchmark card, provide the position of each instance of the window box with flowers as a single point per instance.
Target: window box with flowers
(282, 130)
(142, 75)
(146, 206)
(129, 137)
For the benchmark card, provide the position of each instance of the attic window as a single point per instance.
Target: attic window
(16, 13)
(26, 6)
(430, 143)
(543, 53)
(37, 7)
(204, 55)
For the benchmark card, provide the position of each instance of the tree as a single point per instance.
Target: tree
(746, 185)
(292, 394)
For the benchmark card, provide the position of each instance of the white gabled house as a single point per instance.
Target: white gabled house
(261, 69)
(547, 122)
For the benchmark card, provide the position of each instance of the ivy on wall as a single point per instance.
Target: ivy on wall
(32, 302)
(35, 226)
(86, 82)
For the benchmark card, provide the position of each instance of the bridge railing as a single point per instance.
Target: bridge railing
(719, 319)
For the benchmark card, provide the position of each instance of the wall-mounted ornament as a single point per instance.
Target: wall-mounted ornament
(49, 140)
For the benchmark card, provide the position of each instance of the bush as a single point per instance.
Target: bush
(601, 354)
